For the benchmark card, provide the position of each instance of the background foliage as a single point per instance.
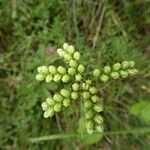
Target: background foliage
(104, 32)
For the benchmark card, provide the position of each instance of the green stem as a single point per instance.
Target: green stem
(75, 135)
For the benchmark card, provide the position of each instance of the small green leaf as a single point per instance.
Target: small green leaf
(137, 108)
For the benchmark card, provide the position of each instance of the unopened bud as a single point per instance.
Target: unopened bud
(71, 71)
(98, 119)
(48, 113)
(75, 86)
(116, 66)
(58, 107)
(125, 65)
(60, 52)
(87, 104)
(76, 55)
(58, 97)
(61, 70)
(81, 68)
(115, 75)
(107, 69)
(132, 64)
(95, 99)
(49, 78)
(42, 70)
(50, 101)
(67, 57)
(66, 102)
(123, 74)
(65, 46)
(104, 78)
(57, 78)
(93, 90)
(40, 77)
(86, 95)
(100, 128)
(71, 49)
(65, 93)
(44, 106)
(98, 107)
(73, 63)
(78, 77)
(52, 69)
(74, 95)
(66, 78)
(96, 73)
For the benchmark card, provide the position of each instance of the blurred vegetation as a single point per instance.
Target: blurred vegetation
(104, 32)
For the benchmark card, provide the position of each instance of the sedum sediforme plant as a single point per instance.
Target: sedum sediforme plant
(76, 85)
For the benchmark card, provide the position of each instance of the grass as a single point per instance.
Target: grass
(104, 32)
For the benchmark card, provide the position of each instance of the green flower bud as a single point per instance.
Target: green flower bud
(116, 66)
(75, 86)
(58, 97)
(52, 69)
(67, 57)
(89, 114)
(96, 72)
(49, 78)
(100, 128)
(93, 90)
(66, 78)
(87, 104)
(57, 78)
(107, 69)
(123, 74)
(88, 82)
(65, 93)
(48, 113)
(71, 49)
(76, 55)
(50, 101)
(44, 106)
(125, 65)
(104, 78)
(78, 77)
(58, 107)
(86, 95)
(73, 63)
(90, 131)
(95, 99)
(74, 95)
(60, 52)
(42, 70)
(98, 107)
(98, 119)
(85, 86)
(65, 46)
(132, 71)
(115, 75)
(61, 70)
(81, 68)
(40, 77)
(131, 64)
(89, 125)
(66, 102)
(71, 71)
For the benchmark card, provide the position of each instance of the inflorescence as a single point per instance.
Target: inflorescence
(78, 86)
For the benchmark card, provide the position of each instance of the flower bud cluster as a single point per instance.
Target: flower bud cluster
(73, 75)
(92, 108)
(58, 102)
(72, 57)
(53, 74)
(122, 70)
